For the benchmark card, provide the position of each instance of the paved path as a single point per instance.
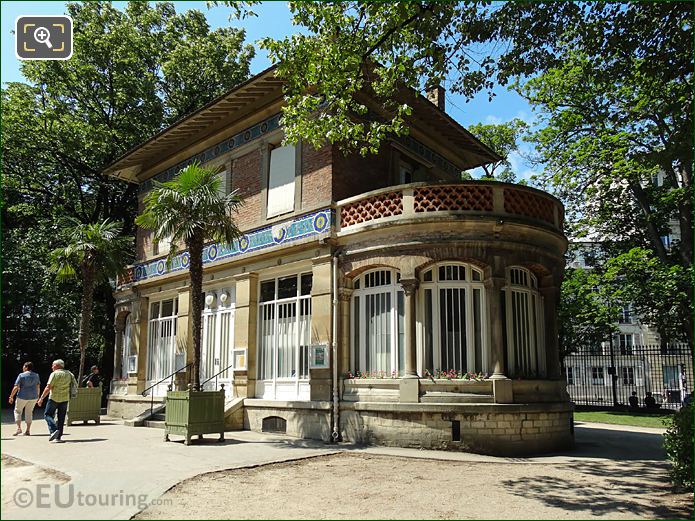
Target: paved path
(137, 466)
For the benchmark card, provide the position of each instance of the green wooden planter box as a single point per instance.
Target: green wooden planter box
(85, 406)
(191, 413)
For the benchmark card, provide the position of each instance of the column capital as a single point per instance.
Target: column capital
(344, 294)
(409, 286)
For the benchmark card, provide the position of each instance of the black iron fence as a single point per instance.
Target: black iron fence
(609, 375)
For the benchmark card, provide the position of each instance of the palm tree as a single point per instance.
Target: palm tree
(191, 209)
(95, 251)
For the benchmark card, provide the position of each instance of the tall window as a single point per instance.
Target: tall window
(625, 316)
(378, 342)
(628, 375)
(573, 375)
(453, 318)
(218, 335)
(161, 344)
(284, 334)
(281, 174)
(524, 317)
(625, 343)
(597, 376)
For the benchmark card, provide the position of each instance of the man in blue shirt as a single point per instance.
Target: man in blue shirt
(26, 389)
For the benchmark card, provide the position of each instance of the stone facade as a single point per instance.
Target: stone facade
(509, 430)
(356, 279)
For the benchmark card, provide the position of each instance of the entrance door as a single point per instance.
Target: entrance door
(218, 341)
(161, 345)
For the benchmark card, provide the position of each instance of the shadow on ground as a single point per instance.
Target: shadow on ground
(610, 465)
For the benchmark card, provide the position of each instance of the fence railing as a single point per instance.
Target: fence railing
(608, 375)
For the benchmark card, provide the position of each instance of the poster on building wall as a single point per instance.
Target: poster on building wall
(319, 356)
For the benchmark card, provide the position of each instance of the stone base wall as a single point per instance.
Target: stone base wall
(311, 420)
(129, 406)
(494, 429)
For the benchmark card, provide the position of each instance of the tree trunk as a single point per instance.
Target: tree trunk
(108, 355)
(195, 250)
(88, 277)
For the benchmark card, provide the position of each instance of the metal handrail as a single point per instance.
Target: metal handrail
(144, 393)
(216, 375)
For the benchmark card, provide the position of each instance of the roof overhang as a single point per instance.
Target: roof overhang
(248, 97)
(196, 126)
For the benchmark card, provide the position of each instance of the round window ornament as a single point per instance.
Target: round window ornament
(224, 297)
(209, 299)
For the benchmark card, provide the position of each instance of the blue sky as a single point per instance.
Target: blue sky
(274, 20)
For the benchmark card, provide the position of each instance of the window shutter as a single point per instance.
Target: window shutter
(281, 181)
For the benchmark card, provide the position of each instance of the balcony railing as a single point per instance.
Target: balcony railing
(498, 200)
(477, 198)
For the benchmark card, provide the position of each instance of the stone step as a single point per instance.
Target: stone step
(160, 416)
(444, 397)
(154, 424)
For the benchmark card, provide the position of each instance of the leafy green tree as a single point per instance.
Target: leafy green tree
(93, 251)
(190, 209)
(503, 138)
(133, 72)
(612, 81)
(658, 292)
(586, 314)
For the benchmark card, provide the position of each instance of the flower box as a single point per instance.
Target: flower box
(190, 413)
(85, 406)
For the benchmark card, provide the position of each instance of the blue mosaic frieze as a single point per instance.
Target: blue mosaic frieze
(427, 153)
(315, 224)
(243, 137)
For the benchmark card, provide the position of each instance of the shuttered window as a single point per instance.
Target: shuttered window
(281, 180)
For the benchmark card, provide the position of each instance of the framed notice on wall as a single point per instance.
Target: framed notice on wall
(319, 356)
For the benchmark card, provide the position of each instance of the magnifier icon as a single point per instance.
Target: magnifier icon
(43, 35)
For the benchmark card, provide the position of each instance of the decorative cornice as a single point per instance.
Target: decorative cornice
(245, 136)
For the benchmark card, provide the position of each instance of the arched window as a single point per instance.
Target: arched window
(377, 323)
(524, 322)
(453, 318)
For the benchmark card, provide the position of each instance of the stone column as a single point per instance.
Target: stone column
(245, 332)
(410, 290)
(321, 325)
(551, 297)
(141, 313)
(493, 286)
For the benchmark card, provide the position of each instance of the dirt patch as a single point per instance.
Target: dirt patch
(360, 486)
(17, 473)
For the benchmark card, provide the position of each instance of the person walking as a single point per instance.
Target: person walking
(58, 390)
(24, 395)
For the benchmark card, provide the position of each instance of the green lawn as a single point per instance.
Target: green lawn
(622, 418)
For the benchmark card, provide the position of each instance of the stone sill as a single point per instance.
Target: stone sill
(286, 404)
(472, 408)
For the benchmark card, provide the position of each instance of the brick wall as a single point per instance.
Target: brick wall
(246, 178)
(354, 174)
(316, 176)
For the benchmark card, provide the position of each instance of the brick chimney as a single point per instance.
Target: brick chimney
(436, 95)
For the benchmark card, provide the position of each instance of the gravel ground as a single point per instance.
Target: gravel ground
(361, 486)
